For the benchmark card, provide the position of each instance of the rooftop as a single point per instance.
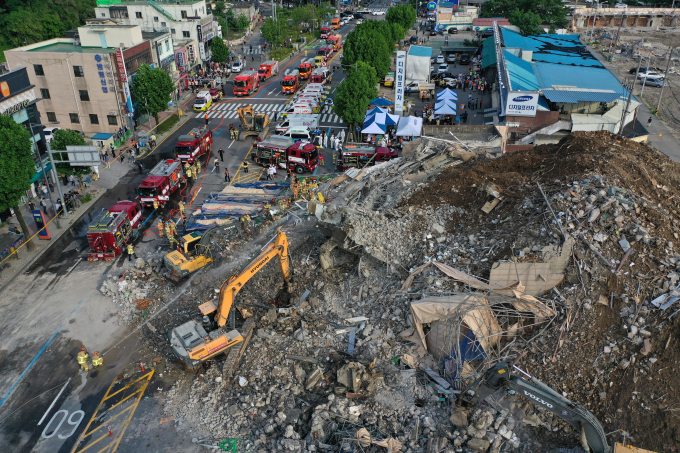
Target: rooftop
(68, 47)
(558, 49)
(420, 51)
(488, 21)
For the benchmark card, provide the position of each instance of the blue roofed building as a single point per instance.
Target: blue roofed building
(550, 83)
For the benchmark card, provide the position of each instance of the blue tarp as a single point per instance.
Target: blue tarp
(381, 102)
(469, 348)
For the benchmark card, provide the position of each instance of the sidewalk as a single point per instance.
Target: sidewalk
(660, 138)
(109, 177)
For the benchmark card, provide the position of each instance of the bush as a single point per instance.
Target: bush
(86, 198)
(168, 124)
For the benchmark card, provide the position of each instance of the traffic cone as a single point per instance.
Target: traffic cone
(110, 432)
(142, 365)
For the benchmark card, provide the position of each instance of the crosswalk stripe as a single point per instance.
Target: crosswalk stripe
(233, 114)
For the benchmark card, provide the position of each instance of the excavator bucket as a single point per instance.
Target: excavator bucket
(246, 114)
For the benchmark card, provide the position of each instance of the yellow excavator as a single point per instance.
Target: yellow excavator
(194, 342)
(194, 255)
(252, 123)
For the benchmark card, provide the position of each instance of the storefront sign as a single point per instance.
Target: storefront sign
(191, 54)
(200, 33)
(120, 63)
(445, 10)
(4, 89)
(521, 103)
(399, 81)
(166, 61)
(102, 74)
(201, 51)
(464, 14)
(179, 57)
(432, 6)
(17, 103)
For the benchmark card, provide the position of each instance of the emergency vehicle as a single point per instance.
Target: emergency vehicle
(268, 69)
(335, 42)
(325, 52)
(163, 180)
(193, 145)
(325, 32)
(110, 231)
(246, 83)
(282, 152)
(305, 68)
(291, 81)
(319, 75)
(359, 155)
(335, 23)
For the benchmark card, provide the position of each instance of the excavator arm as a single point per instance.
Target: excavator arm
(230, 288)
(575, 414)
(246, 114)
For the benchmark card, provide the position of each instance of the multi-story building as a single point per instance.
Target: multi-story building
(184, 19)
(84, 81)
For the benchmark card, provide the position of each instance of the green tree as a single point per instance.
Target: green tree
(62, 139)
(370, 46)
(152, 88)
(220, 52)
(528, 15)
(355, 93)
(405, 15)
(218, 10)
(16, 168)
(242, 22)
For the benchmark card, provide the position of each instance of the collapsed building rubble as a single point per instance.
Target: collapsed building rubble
(417, 284)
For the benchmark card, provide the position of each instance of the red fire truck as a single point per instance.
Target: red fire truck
(110, 231)
(325, 52)
(280, 151)
(163, 180)
(306, 67)
(291, 81)
(246, 83)
(325, 32)
(359, 155)
(193, 145)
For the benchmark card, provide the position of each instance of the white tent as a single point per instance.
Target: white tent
(382, 118)
(410, 126)
(447, 94)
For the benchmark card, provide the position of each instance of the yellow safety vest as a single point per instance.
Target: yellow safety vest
(131, 249)
(82, 357)
(96, 361)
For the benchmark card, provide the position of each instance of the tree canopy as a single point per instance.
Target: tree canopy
(27, 21)
(151, 89)
(220, 52)
(16, 166)
(528, 15)
(369, 45)
(62, 139)
(404, 15)
(355, 93)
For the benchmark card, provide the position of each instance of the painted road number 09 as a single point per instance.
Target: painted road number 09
(73, 420)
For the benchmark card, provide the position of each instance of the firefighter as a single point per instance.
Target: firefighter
(173, 227)
(173, 242)
(96, 360)
(267, 207)
(168, 231)
(236, 133)
(131, 251)
(82, 359)
(198, 167)
(245, 166)
(155, 205)
(181, 207)
(296, 190)
(161, 227)
(189, 180)
(186, 166)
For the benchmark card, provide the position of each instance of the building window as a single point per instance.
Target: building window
(45, 93)
(112, 120)
(164, 24)
(155, 18)
(184, 15)
(167, 46)
(51, 117)
(74, 118)
(38, 69)
(138, 14)
(78, 71)
(186, 34)
(172, 30)
(84, 95)
(94, 119)
(103, 14)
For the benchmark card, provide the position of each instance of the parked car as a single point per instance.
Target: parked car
(440, 58)
(465, 59)
(652, 82)
(621, 5)
(360, 21)
(451, 58)
(453, 31)
(413, 39)
(632, 70)
(433, 32)
(359, 16)
(236, 66)
(378, 13)
(443, 68)
(650, 74)
(364, 11)
(48, 132)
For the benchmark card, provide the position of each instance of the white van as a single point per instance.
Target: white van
(298, 133)
(310, 121)
(203, 101)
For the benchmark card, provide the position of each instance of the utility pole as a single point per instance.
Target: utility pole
(61, 195)
(663, 81)
(625, 110)
(618, 32)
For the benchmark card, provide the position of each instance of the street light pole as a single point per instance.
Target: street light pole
(663, 81)
(42, 167)
(61, 195)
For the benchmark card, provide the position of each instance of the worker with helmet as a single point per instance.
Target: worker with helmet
(168, 229)
(186, 166)
(181, 207)
(131, 251)
(161, 227)
(155, 205)
(189, 180)
(97, 360)
(82, 359)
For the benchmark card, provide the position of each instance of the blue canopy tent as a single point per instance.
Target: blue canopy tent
(376, 110)
(374, 128)
(447, 94)
(381, 102)
(382, 118)
(447, 107)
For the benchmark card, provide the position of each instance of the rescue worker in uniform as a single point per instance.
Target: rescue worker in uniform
(82, 359)
(245, 167)
(189, 175)
(173, 227)
(161, 227)
(131, 252)
(168, 231)
(96, 360)
(217, 165)
(181, 207)
(155, 205)
(198, 167)
(236, 131)
(186, 166)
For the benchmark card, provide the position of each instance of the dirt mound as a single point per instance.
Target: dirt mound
(611, 349)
